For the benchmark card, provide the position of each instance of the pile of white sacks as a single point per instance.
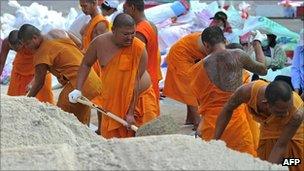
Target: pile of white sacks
(170, 31)
(37, 15)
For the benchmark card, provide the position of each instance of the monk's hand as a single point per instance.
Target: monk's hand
(28, 87)
(74, 95)
(130, 120)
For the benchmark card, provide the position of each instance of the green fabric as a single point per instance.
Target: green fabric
(278, 58)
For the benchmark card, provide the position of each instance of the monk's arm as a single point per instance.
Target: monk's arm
(100, 29)
(89, 59)
(3, 54)
(82, 30)
(290, 129)
(141, 37)
(251, 65)
(240, 96)
(40, 73)
(142, 68)
(259, 54)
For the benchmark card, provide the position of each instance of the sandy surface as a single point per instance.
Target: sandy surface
(168, 107)
(37, 136)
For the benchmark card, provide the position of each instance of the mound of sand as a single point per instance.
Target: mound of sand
(28, 122)
(39, 136)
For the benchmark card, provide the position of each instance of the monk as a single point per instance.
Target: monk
(147, 33)
(60, 56)
(182, 56)
(127, 89)
(280, 113)
(23, 70)
(97, 25)
(213, 81)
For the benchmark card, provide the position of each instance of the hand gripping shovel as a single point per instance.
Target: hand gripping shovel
(164, 124)
(83, 100)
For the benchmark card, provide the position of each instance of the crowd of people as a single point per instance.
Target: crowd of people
(116, 65)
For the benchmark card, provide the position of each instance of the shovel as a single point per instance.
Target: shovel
(162, 125)
(83, 100)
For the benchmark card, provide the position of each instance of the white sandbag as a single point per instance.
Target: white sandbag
(79, 22)
(163, 12)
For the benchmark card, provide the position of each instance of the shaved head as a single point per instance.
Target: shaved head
(123, 20)
(278, 90)
(123, 30)
(13, 37)
(138, 4)
(213, 35)
(27, 32)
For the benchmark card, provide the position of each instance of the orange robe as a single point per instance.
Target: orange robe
(64, 58)
(211, 100)
(118, 78)
(23, 73)
(145, 28)
(88, 36)
(272, 127)
(182, 56)
(254, 126)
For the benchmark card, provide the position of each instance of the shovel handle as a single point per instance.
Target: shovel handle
(85, 101)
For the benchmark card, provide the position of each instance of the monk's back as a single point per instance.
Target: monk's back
(186, 49)
(224, 69)
(63, 57)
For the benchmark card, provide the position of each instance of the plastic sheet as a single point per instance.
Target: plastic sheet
(37, 15)
(163, 12)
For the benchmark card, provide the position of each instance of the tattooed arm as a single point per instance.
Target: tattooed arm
(251, 65)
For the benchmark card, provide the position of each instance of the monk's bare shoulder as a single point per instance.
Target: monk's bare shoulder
(224, 69)
(57, 34)
(102, 38)
(83, 28)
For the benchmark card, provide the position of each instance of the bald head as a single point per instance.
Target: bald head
(278, 90)
(123, 20)
(138, 4)
(213, 35)
(13, 38)
(27, 32)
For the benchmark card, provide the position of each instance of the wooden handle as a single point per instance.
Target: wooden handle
(109, 114)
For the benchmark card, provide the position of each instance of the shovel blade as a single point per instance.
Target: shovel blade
(162, 125)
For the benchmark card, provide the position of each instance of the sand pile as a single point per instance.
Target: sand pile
(39, 136)
(28, 122)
